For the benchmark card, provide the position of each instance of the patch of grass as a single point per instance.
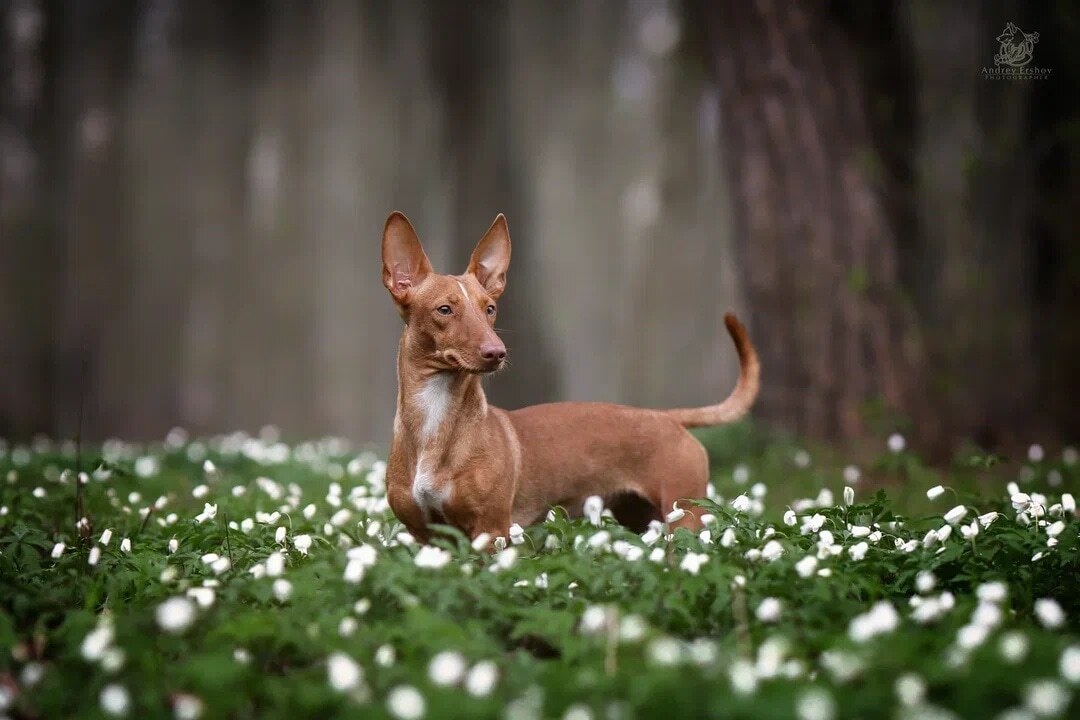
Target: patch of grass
(292, 591)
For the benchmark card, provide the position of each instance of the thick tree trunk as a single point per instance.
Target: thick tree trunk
(817, 252)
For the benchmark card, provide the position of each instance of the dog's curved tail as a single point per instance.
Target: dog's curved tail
(741, 398)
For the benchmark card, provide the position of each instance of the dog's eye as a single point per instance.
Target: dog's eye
(444, 310)
(491, 309)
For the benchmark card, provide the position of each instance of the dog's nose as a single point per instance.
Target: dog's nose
(493, 351)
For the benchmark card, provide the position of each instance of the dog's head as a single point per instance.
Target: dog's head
(449, 319)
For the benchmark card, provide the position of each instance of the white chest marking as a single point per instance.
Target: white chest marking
(426, 494)
(433, 401)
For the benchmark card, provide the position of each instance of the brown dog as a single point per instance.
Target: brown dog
(456, 460)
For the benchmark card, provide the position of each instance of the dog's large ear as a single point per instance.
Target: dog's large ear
(404, 263)
(491, 257)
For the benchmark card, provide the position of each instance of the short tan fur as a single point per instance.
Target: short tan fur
(456, 460)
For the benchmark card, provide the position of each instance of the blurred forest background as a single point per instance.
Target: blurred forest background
(192, 196)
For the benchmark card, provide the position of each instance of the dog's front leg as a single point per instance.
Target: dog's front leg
(477, 513)
(408, 512)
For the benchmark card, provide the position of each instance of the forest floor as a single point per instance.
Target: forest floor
(241, 577)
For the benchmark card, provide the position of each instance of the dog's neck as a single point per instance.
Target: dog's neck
(434, 406)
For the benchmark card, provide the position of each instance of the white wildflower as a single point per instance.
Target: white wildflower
(599, 539)
(429, 556)
(302, 543)
(343, 673)
(1047, 698)
(858, 551)
(769, 610)
(482, 678)
(693, 561)
(592, 508)
(282, 589)
(925, 581)
(815, 704)
(956, 514)
(187, 706)
(594, 619)
(665, 651)
(203, 596)
(742, 676)
(741, 504)
(972, 636)
(910, 690)
(115, 700)
(504, 559)
(1049, 613)
(96, 642)
(446, 668)
(175, 614)
(1013, 647)
(209, 513)
(805, 567)
(882, 618)
(772, 551)
(1021, 501)
(406, 703)
(385, 656)
(812, 524)
(1069, 665)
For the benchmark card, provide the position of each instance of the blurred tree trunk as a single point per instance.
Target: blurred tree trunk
(680, 273)
(972, 192)
(817, 252)
(96, 42)
(27, 267)
(475, 80)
